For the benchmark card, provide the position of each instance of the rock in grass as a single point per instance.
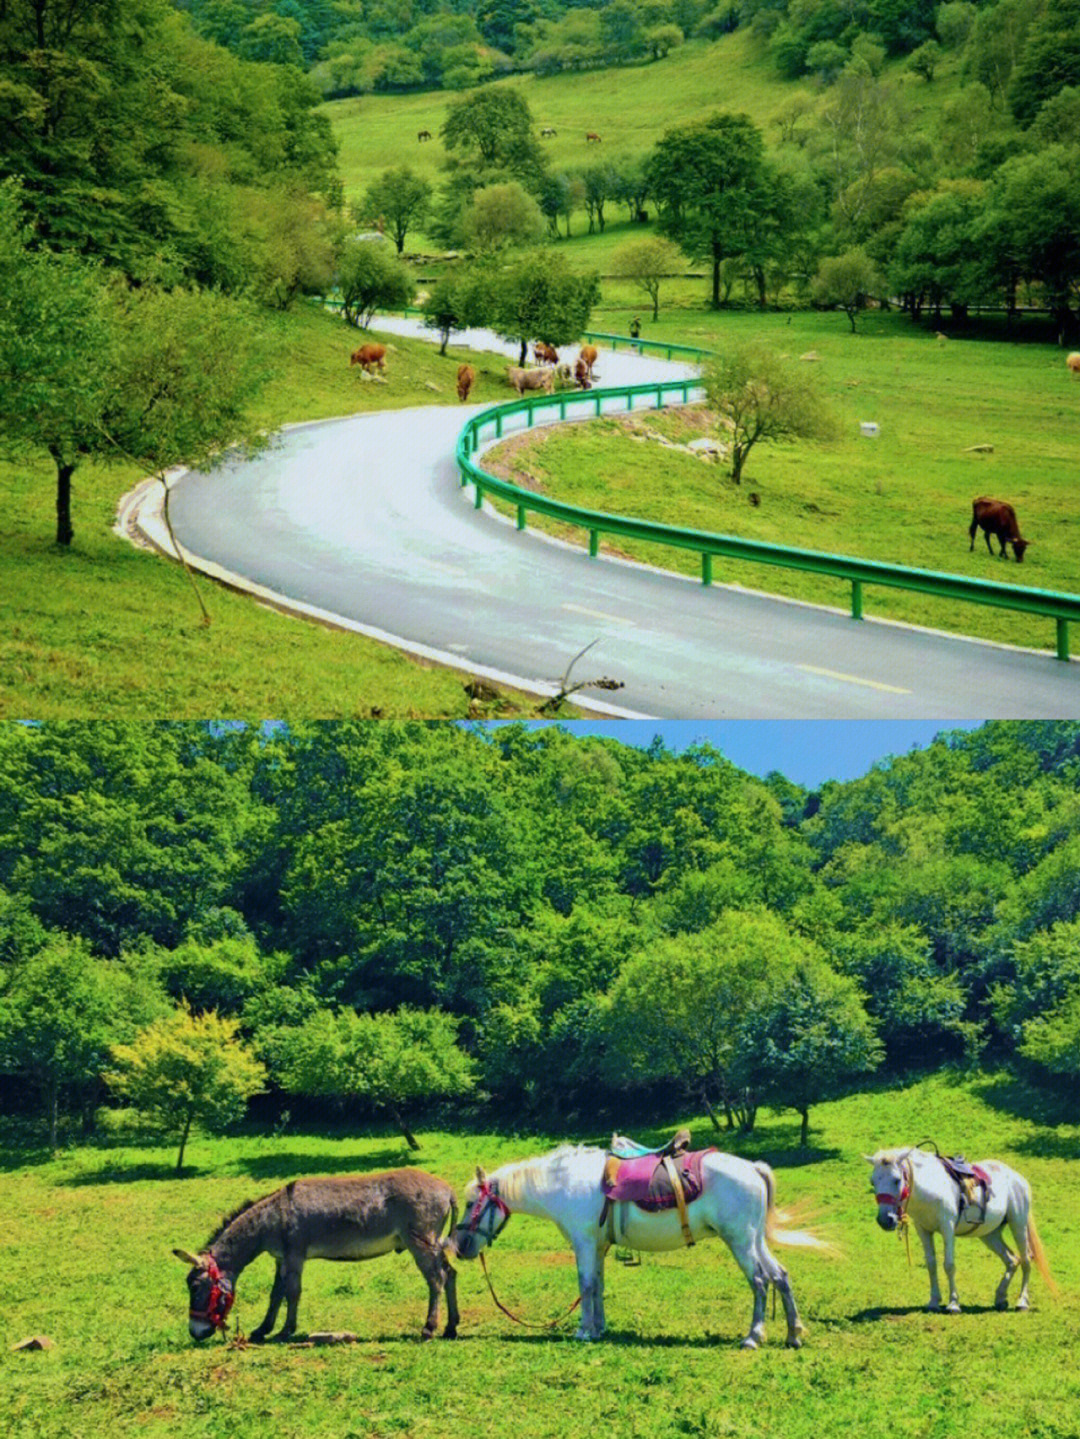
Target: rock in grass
(36, 1341)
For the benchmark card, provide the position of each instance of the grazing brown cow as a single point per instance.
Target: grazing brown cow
(368, 355)
(423, 135)
(581, 375)
(589, 354)
(591, 137)
(545, 354)
(997, 518)
(523, 380)
(465, 377)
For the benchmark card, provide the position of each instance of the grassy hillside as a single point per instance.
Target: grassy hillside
(88, 1235)
(105, 630)
(904, 497)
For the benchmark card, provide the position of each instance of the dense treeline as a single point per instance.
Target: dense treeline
(384, 914)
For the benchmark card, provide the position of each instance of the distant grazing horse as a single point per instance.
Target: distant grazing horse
(736, 1203)
(465, 377)
(423, 135)
(910, 1184)
(548, 132)
(591, 137)
(355, 1217)
(999, 519)
(368, 355)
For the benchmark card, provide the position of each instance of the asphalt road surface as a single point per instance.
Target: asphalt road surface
(365, 519)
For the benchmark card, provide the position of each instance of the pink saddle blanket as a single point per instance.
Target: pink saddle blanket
(646, 1182)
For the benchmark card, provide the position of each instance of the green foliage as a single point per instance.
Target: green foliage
(846, 280)
(385, 1061)
(493, 129)
(370, 277)
(187, 1069)
(536, 295)
(763, 396)
(501, 216)
(401, 199)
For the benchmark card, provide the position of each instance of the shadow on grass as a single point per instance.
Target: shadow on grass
(1048, 1111)
(128, 1174)
(903, 1311)
(296, 1163)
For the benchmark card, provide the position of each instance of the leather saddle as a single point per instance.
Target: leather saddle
(653, 1179)
(968, 1178)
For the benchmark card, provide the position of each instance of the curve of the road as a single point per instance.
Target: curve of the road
(363, 521)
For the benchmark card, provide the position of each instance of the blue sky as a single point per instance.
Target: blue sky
(807, 751)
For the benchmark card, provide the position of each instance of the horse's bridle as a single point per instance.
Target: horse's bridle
(220, 1299)
(899, 1202)
(487, 1202)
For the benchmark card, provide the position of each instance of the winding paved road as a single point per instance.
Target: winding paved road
(363, 520)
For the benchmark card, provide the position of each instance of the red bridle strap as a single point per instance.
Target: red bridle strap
(221, 1297)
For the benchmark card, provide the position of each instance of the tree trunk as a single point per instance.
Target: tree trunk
(64, 533)
(717, 259)
(183, 1144)
(710, 1112)
(524, 353)
(804, 1134)
(410, 1138)
(54, 1112)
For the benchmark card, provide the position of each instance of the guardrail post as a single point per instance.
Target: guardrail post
(856, 599)
(478, 502)
(562, 407)
(706, 568)
(498, 424)
(629, 400)
(521, 517)
(1063, 639)
(531, 412)
(597, 399)
(594, 544)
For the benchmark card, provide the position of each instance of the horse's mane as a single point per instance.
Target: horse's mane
(229, 1219)
(520, 1178)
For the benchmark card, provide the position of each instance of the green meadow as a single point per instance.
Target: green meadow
(112, 631)
(902, 497)
(87, 1235)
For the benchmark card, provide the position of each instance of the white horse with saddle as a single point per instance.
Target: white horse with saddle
(735, 1202)
(940, 1196)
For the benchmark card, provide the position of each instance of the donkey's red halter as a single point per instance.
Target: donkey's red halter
(220, 1299)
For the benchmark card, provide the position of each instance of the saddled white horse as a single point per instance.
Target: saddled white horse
(736, 1203)
(911, 1184)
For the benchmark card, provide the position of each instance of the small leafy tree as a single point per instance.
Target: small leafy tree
(453, 304)
(811, 1042)
(371, 278)
(187, 1069)
(385, 1060)
(401, 199)
(1053, 1040)
(537, 296)
(501, 215)
(763, 396)
(846, 280)
(645, 263)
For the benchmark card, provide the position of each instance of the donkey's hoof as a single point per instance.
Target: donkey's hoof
(449, 1332)
(426, 1334)
(748, 1343)
(1001, 1305)
(952, 1308)
(257, 1336)
(794, 1342)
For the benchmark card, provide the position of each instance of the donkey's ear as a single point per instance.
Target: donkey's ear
(481, 1176)
(186, 1257)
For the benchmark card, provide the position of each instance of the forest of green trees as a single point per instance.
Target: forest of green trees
(393, 921)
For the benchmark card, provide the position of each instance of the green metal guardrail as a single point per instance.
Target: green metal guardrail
(671, 351)
(1060, 607)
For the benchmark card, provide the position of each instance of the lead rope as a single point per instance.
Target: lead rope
(528, 1323)
(901, 1208)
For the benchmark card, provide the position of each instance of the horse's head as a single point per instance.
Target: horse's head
(483, 1219)
(891, 1183)
(210, 1294)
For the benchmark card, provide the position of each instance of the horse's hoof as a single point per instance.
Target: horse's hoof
(748, 1343)
(1021, 1305)
(426, 1334)
(933, 1309)
(952, 1309)
(584, 1335)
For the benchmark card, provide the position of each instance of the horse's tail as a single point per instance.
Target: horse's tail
(1037, 1253)
(776, 1220)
